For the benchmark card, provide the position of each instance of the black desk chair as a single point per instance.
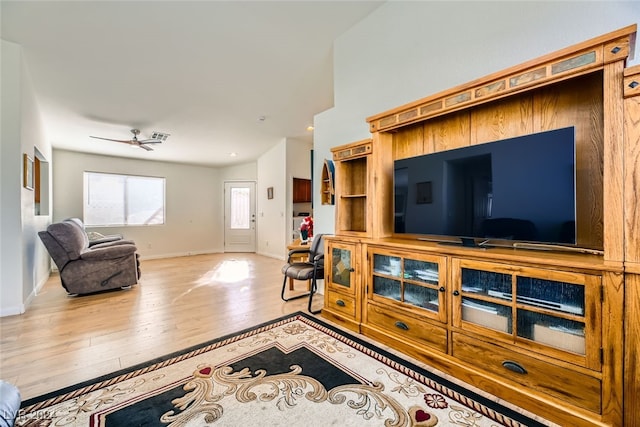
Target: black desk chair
(312, 269)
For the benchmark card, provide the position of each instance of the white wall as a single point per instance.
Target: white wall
(194, 202)
(298, 159)
(24, 263)
(404, 51)
(194, 197)
(272, 219)
(244, 172)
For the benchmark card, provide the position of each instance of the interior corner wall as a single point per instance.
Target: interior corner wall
(298, 166)
(11, 246)
(404, 51)
(298, 158)
(272, 221)
(24, 263)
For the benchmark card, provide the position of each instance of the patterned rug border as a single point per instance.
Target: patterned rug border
(482, 404)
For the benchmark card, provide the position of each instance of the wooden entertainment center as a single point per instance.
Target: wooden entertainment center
(477, 313)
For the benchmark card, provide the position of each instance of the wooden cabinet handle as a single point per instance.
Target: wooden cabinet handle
(456, 293)
(340, 303)
(442, 289)
(514, 366)
(402, 325)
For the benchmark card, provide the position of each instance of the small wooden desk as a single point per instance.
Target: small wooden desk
(296, 244)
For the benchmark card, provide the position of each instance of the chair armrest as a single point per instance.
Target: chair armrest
(295, 252)
(110, 244)
(319, 257)
(105, 239)
(110, 252)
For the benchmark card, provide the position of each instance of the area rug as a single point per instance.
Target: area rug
(293, 371)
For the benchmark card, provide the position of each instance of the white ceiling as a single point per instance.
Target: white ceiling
(202, 71)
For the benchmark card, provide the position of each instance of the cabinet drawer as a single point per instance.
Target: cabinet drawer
(341, 303)
(400, 324)
(569, 386)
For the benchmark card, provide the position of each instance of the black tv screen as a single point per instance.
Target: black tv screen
(519, 189)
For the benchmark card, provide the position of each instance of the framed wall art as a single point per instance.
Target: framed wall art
(27, 171)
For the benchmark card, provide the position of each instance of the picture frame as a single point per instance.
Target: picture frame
(270, 193)
(27, 171)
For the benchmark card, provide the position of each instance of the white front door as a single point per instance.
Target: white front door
(239, 216)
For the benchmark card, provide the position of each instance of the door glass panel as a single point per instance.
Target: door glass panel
(341, 267)
(488, 283)
(552, 295)
(421, 271)
(386, 287)
(240, 208)
(421, 297)
(487, 314)
(389, 265)
(560, 333)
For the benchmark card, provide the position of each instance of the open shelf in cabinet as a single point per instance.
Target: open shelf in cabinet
(327, 186)
(351, 175)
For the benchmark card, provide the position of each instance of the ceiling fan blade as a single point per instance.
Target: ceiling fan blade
(150, 141)
(114, 140)
(145, 147)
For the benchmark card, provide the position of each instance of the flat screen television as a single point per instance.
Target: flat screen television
(517, 189)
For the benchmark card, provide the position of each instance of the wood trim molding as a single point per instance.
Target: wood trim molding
(582, 58)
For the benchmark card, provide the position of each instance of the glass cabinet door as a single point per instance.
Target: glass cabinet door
(547, 310)
(552, 313)
(411, 280)
(342, 267)
(483, 296)
(386, 276)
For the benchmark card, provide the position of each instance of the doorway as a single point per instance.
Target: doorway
(239, 216)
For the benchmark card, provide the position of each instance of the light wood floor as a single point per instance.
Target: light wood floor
(179, 302)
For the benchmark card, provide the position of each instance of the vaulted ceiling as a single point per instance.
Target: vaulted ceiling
(220, 77)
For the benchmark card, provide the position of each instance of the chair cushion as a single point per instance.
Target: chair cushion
(77, 222)
(299, 270)
(70, 237)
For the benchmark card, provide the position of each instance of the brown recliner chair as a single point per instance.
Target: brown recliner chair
(85, 269)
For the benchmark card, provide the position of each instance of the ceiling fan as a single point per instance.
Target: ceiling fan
(157, 138)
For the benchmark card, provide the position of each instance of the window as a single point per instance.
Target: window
(240, 208)
(116, 200)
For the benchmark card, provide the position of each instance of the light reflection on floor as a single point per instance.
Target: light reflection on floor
(229, 271)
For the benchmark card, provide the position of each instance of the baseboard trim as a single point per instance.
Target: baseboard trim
(177, 254)
(271, 255)
(12, 311)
